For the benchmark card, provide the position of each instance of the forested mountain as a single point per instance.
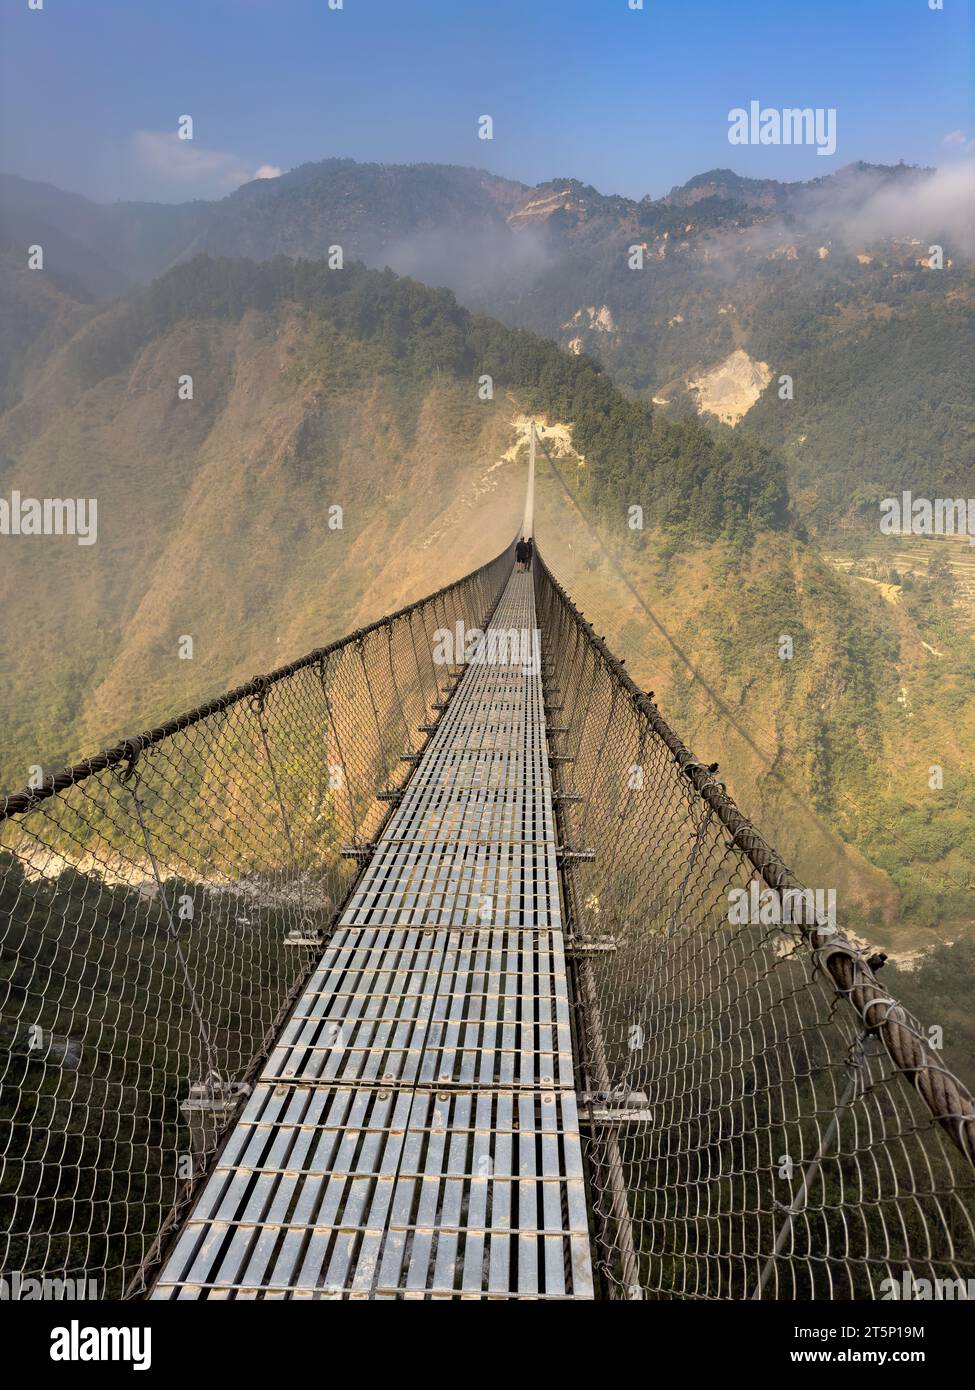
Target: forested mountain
(828, 704)
(315, 389)
(885, 405)
(311, 388)
(467, 228)
(39, 312)
(743, 280)
(107, 247)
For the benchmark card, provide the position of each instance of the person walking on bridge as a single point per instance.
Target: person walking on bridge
(522, 555)
(530, 547)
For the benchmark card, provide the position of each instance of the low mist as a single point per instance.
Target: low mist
(472, 265)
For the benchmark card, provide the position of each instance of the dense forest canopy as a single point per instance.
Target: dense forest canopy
(686, 477)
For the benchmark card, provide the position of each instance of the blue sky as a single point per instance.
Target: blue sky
(630, 101)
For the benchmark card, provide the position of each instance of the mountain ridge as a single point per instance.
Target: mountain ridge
(185, 228)
(310, 387)
(786, 273)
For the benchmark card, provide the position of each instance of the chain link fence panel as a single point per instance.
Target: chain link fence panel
(765, 1121)
(161, 905)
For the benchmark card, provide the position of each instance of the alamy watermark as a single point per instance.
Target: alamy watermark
(78, 1343)
(792, 125)
(756, 905)
(909, 1287)
(20, 1288)
(908, 515)
(50, 516)
(498, 646)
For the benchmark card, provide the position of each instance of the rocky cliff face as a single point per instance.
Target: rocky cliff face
(731, 388)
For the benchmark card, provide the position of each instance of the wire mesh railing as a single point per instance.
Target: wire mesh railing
(765, 1121)
(160, 906)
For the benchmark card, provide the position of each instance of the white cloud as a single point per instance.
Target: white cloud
(955, 137)
(165, 155)
(936, 204)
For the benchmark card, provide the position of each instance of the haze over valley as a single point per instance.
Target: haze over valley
(314, 387)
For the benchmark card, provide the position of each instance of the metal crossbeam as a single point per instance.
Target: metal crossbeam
(415, 1133)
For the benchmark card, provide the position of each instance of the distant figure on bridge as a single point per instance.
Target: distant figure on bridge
(531, 551)
(522, 554)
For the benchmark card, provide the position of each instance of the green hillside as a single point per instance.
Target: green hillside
(316, 388)
(882, 404)
(311, 389)
(805, 279)
(830, 751)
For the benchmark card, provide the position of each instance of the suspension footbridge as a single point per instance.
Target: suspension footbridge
(415, 1128)
(407, 971)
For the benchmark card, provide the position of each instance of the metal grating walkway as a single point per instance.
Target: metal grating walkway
(414, 1133)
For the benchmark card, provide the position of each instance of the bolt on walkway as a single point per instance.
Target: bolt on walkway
(414, 1133)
